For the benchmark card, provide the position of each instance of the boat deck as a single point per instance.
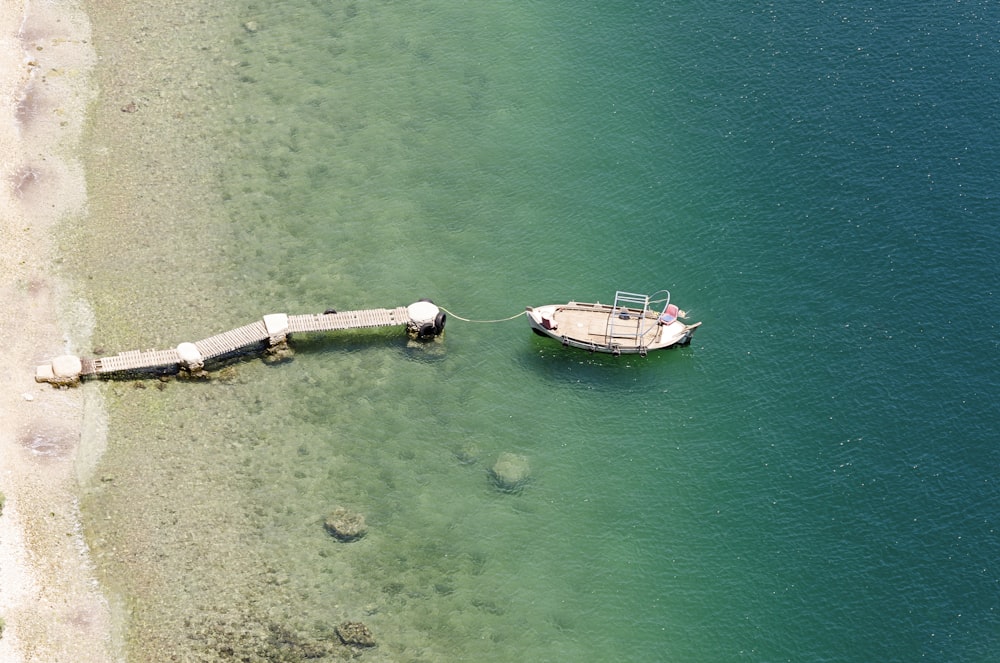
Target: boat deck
(593, 324)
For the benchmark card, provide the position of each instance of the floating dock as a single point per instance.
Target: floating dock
(421, 319)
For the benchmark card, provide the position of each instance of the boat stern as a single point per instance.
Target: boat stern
(688, 333)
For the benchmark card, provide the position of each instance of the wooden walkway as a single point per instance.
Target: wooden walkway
(379, 317)
(273, 330)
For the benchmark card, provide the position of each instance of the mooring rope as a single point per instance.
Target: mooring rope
(467, 320)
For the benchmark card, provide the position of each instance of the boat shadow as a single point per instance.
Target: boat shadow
(573, 366)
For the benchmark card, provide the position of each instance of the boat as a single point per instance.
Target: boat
(633, 324)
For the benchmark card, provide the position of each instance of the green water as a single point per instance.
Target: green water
(811, 479)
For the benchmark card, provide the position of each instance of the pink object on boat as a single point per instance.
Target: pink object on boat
(669, 314)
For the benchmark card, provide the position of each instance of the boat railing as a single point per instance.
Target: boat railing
(620, 314)
(660, 300)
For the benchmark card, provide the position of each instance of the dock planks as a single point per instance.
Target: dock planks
(370, 318)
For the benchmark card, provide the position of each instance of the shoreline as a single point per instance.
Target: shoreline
(50, 602)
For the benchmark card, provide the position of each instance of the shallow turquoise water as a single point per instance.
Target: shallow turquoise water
(812, 479)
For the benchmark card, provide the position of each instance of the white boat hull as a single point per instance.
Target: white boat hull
(606, 329)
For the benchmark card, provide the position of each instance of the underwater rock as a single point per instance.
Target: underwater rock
(355, 634)
(510, 473)
(468, 454)
(278, 354)
(345, 525)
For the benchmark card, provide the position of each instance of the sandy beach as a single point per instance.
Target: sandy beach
(50, 603)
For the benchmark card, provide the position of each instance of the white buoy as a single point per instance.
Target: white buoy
(426, 319)
(67, 366)
(190, 357)
(62, 371)
(276, 325)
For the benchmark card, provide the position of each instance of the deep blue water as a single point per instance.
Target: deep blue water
(812, 479)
